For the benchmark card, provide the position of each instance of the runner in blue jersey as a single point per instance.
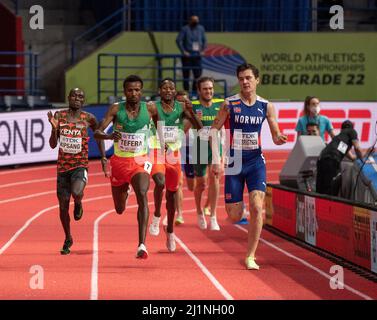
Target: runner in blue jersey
(244, 114)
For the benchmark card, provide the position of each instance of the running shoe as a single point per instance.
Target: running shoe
(154, 227)
(170, 241)
(67, 244)
(242, 221)
(250, 264)
(78, 211)
(142, 252)
(213, 225)
(179, 220)
(202, 223)
(206, 211)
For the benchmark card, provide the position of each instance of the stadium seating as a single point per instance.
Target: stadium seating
(16, 103)
(38, 102)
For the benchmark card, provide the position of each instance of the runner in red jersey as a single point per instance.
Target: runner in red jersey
(70, 128)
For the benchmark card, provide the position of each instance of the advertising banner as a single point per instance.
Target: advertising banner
(373, 240)
(344, 230)
(361, 236)
(284, 211)
(24, 138)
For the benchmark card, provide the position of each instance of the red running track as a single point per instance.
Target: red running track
(102, 265)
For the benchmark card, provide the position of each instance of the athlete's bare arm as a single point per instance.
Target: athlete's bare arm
(93, 124)
(110, 116)
(217, 124)
(221, 116)
(277, 137)
(190, 115)
(54, 120)
(152, 109)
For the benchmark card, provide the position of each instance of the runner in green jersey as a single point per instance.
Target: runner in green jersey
(130, 163)
(167, 169)
(206, 108)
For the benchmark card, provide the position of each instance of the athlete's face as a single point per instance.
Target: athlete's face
(167, 91)
(76, 98)
(247, 81)
(206, 91)
(133, 92)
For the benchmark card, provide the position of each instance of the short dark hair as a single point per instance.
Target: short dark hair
(312, 124)
(204, 79)
(132, 78)
(248, 66)
(347, 124)
(164, 80)
(181, 93)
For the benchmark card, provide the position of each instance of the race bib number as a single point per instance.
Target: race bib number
(131, 142)
(148, 167)
(342, 147)
(245, 140)
(204, 133)
(71, 145)
(170, 133)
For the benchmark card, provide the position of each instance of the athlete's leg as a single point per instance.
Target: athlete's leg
(140, 184)
(256, 184)
(64, 195)
(170, 209)
(234, 186)
(179, 200)
(78, 182)
(200, 186)
(256, 199)
(213, 191)
(120, 194)
(158, 192)
(234, 210)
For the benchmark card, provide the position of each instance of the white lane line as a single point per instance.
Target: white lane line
(36, 168)
(94, 275)
(39, 194)
(209, 275)
(307, 264)
(3, 172)
(95, 260)
(34, 195)
(40, 180)
(37, 215)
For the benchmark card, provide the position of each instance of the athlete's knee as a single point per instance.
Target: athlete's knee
(234, 211)
(159, 181)
(77, 194)
(200, 185)
(119, 208)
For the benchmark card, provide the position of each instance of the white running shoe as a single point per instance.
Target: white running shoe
(202, 223)
(213, 225)
(250, 264)
(154, 227)
(170, 241)
(142, 252)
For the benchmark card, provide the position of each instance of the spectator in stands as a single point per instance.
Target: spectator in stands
(328, 164)
(192, 42)
(311, 114)
(312, 129)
